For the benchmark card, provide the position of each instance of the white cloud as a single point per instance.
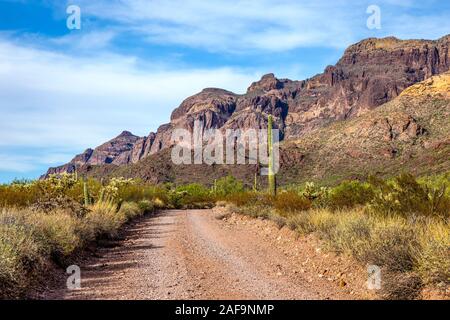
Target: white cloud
(248, 26)
(51, 100)
(86, 41)
(238, 26)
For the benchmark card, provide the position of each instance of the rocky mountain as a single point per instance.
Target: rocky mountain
(123, 149)
(370, 73)
(410, 133)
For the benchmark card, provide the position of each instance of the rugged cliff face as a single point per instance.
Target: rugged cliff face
(410, 133)
(370, 73)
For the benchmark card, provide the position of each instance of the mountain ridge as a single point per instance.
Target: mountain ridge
(369, 74)
(410, 133)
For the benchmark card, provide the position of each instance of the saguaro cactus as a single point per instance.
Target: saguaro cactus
(271, 176)
(215, 186)
(87, 199)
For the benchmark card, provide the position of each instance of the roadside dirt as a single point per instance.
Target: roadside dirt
(194, 255)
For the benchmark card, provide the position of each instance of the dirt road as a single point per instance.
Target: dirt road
(193, 255)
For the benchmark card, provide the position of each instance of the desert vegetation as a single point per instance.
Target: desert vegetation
(400, 224)
(43, 223)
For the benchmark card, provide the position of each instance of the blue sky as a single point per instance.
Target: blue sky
(133, 61)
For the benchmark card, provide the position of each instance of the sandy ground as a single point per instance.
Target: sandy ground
(194, 255)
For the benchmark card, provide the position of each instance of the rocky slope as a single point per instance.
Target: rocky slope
(370, 73)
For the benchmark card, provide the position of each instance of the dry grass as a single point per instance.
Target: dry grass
(57, 232)
(104, 219)
(31, 240)
(20, 253)
(432, 257)
(412, 252)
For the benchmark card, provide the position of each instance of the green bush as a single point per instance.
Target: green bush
(227, 186)
(192, 196)
(405, 196)
(349, 194)
(130, 210)
(146, 206)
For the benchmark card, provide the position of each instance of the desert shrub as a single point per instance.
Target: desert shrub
(56, 231)
(351, 234)
(288, 201)
(312, 191)
(302, 222)
(400, 285)
(158, 203)
(391, 245)
(104, 219)
(19, 194)
(117, 190)
(256, 211)
(20, 254)
(405, 196)
(137, 191)
(76, 192)
(245, 198)
(433, 254)
(192, 196)
(349, 194)
(129, 192)
(437, 182)
(228, 185)
(221, 203)
(57, 192)
(324, 223)
(130, 210)
(146, 206)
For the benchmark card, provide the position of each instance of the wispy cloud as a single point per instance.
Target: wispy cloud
(52, 100)
(233, 26)
(95, 40)
(243, 26)
(20, 163)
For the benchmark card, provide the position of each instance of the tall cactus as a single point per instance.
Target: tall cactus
(271, 176)
(87, 199)
(255, 183)
(215, 186)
